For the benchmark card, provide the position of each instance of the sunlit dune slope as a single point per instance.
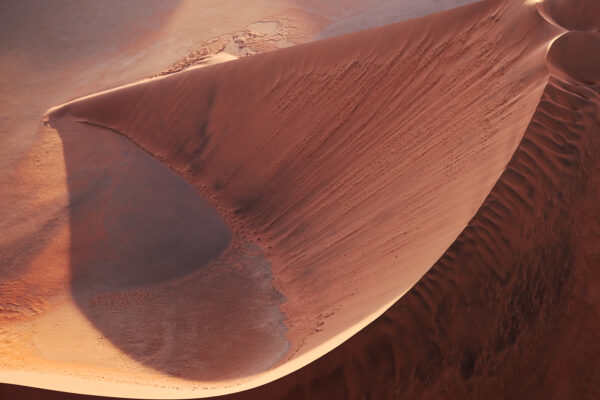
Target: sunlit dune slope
(512, 309)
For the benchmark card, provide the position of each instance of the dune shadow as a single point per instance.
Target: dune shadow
(154, 269)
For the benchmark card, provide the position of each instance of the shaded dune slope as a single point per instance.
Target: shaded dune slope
(158, 269)
(353, 162)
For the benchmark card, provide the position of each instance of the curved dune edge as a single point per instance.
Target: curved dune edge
(280, 371)
(81, 385)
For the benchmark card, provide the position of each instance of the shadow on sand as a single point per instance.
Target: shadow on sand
(154, 269)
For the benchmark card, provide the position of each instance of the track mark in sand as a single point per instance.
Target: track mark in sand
(258, 37)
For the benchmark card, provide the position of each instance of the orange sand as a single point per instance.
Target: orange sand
(339, 172)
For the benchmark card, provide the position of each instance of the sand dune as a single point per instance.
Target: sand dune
(449, 158)
(511, 309)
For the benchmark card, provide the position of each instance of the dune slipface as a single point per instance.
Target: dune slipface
(142, 289)
(443, 171)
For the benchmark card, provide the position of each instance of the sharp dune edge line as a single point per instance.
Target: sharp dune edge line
(497, 296)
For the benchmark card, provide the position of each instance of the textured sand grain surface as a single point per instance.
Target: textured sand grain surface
(404, 212)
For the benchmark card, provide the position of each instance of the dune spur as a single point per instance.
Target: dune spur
(318, 168)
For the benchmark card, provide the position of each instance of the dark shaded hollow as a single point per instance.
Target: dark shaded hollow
(154, 268)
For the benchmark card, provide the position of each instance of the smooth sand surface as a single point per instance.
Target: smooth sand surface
(362, 14)
(451, 161)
